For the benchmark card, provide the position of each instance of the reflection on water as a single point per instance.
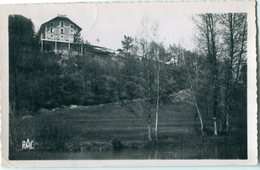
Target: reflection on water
(178, 152)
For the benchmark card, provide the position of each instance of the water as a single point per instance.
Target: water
(187, 152)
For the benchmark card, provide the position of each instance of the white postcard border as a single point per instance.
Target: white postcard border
(230, 6)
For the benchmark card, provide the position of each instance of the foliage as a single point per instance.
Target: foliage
(21, 35)
(46, 129)
(53, 133)
(221, 47)
(127, 43)
(19, 130)
(21, 31)
(116, 143)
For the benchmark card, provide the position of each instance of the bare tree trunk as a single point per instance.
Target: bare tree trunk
(229, 77)
(194, 96)
(156, 118)
(199, 114)
(212, 56)
(149, 131)
(227, 122)
(158, 98)
(147, 104)
(215, 126)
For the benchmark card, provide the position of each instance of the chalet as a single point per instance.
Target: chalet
(59, 34)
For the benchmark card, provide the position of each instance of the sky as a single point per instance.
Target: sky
(109, 22)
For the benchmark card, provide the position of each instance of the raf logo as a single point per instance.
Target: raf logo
(27, 144)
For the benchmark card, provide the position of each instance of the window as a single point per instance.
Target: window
(72, 31)
(51, 29)
(52, 37)
(61, 23)
(71, 38)
(61, 31)
(71, 26)
(61, 38)
(51, 23)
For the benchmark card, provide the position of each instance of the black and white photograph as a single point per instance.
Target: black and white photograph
(141, 81)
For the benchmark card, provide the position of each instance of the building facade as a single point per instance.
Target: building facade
(59, 35)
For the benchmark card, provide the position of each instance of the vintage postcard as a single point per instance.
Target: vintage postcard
(128, 84)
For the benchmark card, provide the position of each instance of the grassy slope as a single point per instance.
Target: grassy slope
(176, 128)
(178, 138)
(106, 123)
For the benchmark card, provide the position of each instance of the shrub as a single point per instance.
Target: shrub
(53, 132)
(116, 143)
(19, 130)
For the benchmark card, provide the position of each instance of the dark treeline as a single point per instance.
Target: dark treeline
(214, 75)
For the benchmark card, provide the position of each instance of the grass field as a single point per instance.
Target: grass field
(97, 126)
(105, 123)
(102, 124)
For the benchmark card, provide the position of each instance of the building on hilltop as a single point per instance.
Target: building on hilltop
(59, 34)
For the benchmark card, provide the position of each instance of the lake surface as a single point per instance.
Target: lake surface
(187, 152)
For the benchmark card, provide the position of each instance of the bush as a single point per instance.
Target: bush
(47, 129)
(54, 133)
(116, 143)
(19, 130)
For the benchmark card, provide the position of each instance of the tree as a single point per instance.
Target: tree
(147, 42)
(207, 26)
(148, 80)
(159, 57)
(193, 90)
(223, 40)
(174, 51)
(234, 43)
(78, 41)
(128, 75)
(127, 44)
(21, 34)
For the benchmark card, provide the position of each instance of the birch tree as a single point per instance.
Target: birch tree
(208, 41)
(147, 34)
(194, 99)
(156, 52)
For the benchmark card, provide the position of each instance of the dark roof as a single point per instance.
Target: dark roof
(100, 49)
(62, 16)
